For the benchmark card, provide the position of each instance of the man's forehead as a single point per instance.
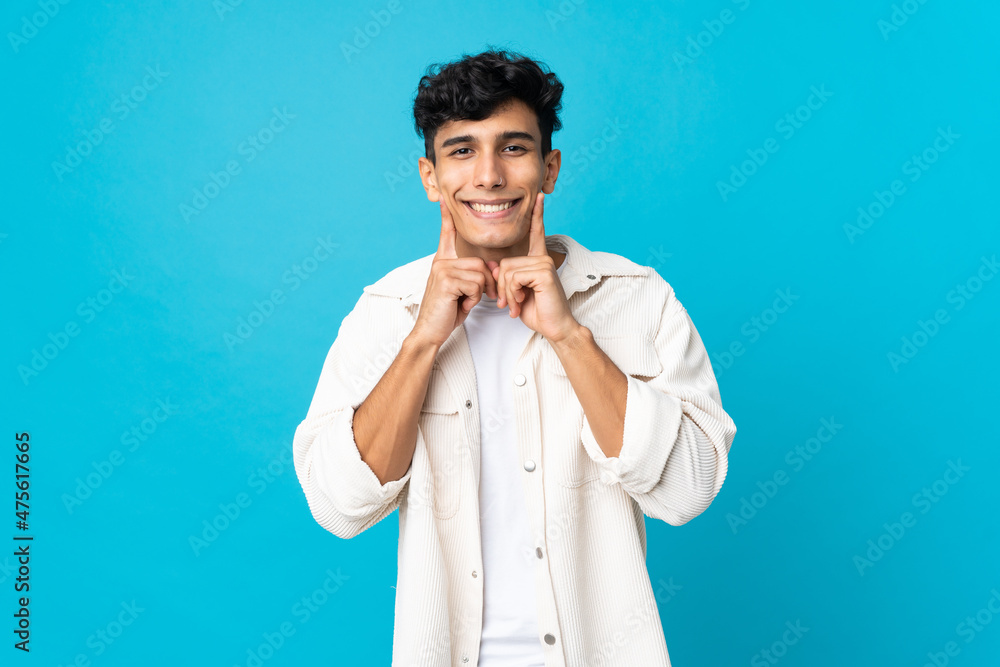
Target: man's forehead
(512, 117)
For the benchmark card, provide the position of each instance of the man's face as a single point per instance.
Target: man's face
(496, 161)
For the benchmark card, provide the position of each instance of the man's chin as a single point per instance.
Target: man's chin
(497, 236)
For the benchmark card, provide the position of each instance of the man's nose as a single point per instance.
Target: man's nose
(488, 172)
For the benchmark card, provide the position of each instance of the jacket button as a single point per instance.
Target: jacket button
(550, 640)
(474, 575)
(468, 403)
(465, 658)
(538, 551)
(529, 465)
(519, 380)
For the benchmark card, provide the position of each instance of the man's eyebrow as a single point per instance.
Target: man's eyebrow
(502, 136)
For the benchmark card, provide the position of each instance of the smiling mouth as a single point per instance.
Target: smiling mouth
(492, 211)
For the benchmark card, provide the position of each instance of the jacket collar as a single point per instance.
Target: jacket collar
(584, 269)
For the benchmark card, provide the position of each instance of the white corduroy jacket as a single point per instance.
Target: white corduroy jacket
(594, 599)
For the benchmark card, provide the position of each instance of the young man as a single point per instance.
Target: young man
(522, 400)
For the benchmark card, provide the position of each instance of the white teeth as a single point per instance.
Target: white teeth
(482, 208)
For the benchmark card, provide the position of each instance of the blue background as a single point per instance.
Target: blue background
(341, 169)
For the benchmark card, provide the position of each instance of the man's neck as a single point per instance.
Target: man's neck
(557, 257)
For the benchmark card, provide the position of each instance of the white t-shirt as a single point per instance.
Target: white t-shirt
(510, 620)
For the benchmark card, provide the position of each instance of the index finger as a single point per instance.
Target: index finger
(446, 243)
(536, 234)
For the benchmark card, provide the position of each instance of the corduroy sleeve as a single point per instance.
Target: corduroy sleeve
(343, 493)
(677, 437)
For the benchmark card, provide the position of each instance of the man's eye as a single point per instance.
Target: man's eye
(516, 148)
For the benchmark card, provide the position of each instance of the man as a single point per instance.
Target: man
(521, 399)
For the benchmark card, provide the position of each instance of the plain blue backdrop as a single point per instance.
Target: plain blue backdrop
(203, 151)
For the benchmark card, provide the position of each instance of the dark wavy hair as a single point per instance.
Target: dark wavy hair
(473, 87)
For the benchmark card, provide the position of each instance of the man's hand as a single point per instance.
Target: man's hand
(531, 286)
(455, 285)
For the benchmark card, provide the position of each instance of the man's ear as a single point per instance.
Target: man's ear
(552, 163)
(428, 178)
